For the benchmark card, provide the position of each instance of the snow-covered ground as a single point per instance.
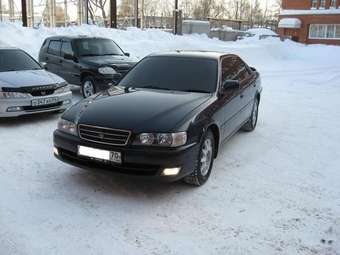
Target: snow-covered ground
(272, 191)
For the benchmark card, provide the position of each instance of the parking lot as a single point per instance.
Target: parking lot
(272, 191)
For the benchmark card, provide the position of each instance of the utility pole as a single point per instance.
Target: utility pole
(113, 13)
(135, 11)
(176, 17)
(24, 13)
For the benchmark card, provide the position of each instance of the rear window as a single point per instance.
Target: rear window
(54, 48)
(16, 60)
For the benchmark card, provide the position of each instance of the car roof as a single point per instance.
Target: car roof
(191, 53)
(73, 37)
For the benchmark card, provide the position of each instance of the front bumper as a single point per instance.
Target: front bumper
(64, 101)
(138, 161)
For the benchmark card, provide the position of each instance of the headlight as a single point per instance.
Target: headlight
(162, 139)
(9, 95)
(63, 89)
(67, 127)
(106, 70)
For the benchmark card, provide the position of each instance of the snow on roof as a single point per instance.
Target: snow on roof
(261, 31)
(290, 23)
(309, 12)
(189, 21)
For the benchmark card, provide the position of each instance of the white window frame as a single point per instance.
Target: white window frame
(316, 4)
(337, 26)
(333, 4)
(324, 4)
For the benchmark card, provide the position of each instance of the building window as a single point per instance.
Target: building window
(324, 31)
(322, 4)
(314, 4)
(333, 3)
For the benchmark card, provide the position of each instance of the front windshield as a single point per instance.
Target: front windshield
(96, 47)
(16, 60)
(174, 73)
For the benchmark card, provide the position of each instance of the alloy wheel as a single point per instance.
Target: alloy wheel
(88, 89)
(206, 156)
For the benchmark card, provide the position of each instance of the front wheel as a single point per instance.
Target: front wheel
(204, 162)
(88, 87)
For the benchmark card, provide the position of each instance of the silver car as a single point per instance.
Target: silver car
(27, 88)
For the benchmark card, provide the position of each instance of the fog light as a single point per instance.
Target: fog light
(67, 102)
(171, 171)
(14, 109)
(56, 151)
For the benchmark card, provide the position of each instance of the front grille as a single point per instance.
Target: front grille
(104, 135)
(40, 93)
(35, 91)
(42, 107)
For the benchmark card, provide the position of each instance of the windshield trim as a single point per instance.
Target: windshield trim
(136, 86)
(39, 67)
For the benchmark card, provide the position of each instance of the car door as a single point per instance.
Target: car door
(231, 100)
(247, 81)
(52, 57)
(70, 69)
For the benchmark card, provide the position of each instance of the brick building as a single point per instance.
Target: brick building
(310, 21)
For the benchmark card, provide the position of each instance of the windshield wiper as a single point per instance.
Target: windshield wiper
(111, 54)
(153, 87)
(89, 55)
(196, 90)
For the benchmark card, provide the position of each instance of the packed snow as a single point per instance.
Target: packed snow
(273, 191)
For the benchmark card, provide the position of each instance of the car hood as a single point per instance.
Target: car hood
(16, 79)
(140, 110)
(107, 60)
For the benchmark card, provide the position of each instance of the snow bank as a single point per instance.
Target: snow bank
(266, 55)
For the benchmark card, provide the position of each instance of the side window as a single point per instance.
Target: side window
(229, 68)
(242, 71)
(66, 48)
(54, 48)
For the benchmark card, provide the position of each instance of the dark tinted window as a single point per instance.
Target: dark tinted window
(233, 68)
(174, 73)
(54, 48)
(66, 48)
(96, 47)
(16, 60)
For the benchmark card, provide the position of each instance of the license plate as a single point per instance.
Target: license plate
(112, 156)
(44, 101)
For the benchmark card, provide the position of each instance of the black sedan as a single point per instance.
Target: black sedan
(167, 118)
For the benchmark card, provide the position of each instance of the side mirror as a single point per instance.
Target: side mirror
(69, 56)
(231, 85)
(117, 77)
(43, 65)
(127, 54)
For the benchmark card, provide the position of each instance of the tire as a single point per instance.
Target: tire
(251, 123)
(202, 170)
(88, 87)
